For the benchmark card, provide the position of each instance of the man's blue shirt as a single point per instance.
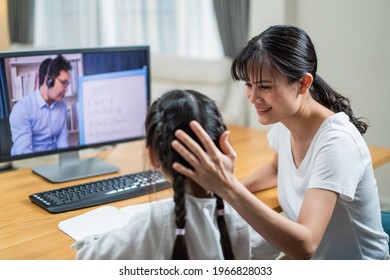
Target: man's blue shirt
(36, 126)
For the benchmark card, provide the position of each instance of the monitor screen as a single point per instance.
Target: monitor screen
(62, 101)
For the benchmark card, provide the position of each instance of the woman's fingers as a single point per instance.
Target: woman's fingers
(188, 155)
(204, 138)
(191, 151)
(211, 168)
(190, 158)
(184, 170)
(186, 146)
(226, 148)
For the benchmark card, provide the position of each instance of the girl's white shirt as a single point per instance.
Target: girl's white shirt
(151, 235)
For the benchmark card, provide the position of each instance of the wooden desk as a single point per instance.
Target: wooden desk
(29, 232)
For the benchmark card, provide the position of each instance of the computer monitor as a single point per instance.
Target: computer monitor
(103, 100)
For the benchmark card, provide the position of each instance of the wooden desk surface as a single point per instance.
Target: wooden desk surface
(29, 232)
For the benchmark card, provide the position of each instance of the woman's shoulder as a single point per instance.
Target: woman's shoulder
(339, 126)
(339, 122)
(338, 134)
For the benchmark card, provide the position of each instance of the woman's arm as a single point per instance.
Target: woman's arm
(298, 240)
(213, 169)
(264, 178)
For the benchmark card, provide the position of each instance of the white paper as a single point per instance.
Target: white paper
(101, 220)
(97, 221)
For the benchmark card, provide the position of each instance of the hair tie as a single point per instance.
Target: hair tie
(220, 212)
(180, 231)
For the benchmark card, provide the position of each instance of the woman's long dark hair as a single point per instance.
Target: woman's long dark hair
(289, 50)
(174, 110)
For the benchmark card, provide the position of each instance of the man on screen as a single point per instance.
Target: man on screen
(39, 120)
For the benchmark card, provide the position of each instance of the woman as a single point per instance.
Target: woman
(196, 224)
(322, 166)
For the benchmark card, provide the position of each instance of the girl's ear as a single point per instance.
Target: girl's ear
(305, 82)
(154, 160)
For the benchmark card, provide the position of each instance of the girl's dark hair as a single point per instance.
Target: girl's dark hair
(174, 110)
(289, 50)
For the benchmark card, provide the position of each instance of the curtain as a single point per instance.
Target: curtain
(233, 20)
(66, 23)
(21, 21)
(175, 27)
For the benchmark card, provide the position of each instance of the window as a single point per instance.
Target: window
(175, 27)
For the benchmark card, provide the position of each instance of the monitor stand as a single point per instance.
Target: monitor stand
(71, 167)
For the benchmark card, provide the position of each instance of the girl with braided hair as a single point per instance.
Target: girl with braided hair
(322, 165)
(197, 224)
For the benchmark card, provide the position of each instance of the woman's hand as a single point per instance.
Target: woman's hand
(213, 169)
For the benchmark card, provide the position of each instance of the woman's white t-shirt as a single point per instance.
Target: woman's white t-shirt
(339, 160)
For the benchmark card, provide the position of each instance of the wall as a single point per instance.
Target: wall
(352, 40)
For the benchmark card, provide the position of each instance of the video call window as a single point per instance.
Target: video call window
(106, 97)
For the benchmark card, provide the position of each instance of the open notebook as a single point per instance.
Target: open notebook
(101, 220)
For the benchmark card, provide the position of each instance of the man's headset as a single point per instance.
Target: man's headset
(49, 79)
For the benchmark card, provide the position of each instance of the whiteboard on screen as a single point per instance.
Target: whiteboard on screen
(112, 106)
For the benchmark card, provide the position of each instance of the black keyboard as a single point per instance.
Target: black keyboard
(100, 192)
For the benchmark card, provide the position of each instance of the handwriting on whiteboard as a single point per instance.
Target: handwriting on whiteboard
(113, 107)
